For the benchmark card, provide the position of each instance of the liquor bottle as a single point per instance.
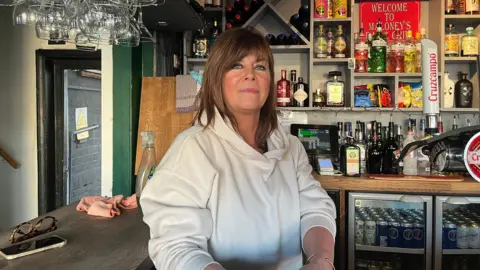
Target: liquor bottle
(304, 13)
(255, 5)
(423, 160)
(293, 39)
(330, 43)
(399, 139)
(340, 47)
(318, 98)
(470, 43)
(450, 6)
(375, 154)
(448, 90)
(208, 3)
(390, 151)
(397, 54)
(321, 43)
(379, 136)
(281, 39)
(350, 159)
(388, 60)
(283, 91)
(471, 7)
(271, 39)
(300, 96)
(379, 50)
(200, 45)
(463, 92)
(461, 6)
(410, 55)
(295, 21)
(369, 43)
(229, 13)
(451, 41)
(335, 90)
(214, 32)
(410, 160)
(454, 125)
(293, 86)
(238, 4)
(360, 143)
(217, 3)
(418, 45)
(361, 55)
(440, 124)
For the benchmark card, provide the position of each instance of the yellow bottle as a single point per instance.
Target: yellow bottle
(410, 54)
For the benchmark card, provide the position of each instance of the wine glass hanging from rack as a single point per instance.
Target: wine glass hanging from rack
(82, 22)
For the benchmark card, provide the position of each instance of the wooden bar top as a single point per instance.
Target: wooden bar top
(92, 243)
(467, 186)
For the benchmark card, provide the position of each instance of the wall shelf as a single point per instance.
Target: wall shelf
(461, 251)
(390, 249)
(330, 60)
(449, 59)
(349, 19)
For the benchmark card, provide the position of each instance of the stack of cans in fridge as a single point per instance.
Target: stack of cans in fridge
(389, 227)
(461, 229)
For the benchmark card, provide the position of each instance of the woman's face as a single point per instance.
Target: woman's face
(246, 85)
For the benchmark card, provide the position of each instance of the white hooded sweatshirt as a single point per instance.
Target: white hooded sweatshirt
(213, 198)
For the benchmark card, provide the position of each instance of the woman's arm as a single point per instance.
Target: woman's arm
(319, 245)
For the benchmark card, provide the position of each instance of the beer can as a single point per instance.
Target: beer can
(474, 236)
(449, 235)
(377, 217)
(394, 239)
(359, 231)
(418, 235)
(406, 234)
(463, 231)
(382, 233)
(361, 265)
(370, 232)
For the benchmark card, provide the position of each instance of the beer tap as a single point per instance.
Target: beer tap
(430, 85)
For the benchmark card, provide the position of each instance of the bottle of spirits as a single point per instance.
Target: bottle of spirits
(370, 60)
(448, 90)
(217, 3)
(399, 139)
(390, 151)
(350, 159)
(379, 50)
(418, 45)
(335, 90)
(321, 43)
(300, 97)
(293, 86)
(361, 54)
(360, 143)
(451, 41)
(214, 32)
(330, 43)
(471, 7)
(283, 91)
(450, 6)
(463, 92)
(201, 45)
(422, 153)
(375, 154)
(410, 59)
(470, 43)
(397, 54)
(410, 160)
(318, 98)
(454, 125)
(461, 6)
(208, 3)
(340, 47)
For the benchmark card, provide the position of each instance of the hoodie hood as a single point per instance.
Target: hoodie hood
(277, 142)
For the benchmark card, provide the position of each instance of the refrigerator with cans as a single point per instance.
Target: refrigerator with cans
(389, 231)
(457, 237)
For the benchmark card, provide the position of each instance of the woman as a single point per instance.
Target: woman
(235, 191)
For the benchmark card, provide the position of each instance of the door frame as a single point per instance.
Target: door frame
(50, 65)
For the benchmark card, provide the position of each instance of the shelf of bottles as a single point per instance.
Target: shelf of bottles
(389, 231)
(458, 232)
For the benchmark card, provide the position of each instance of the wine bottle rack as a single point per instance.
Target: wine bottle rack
(273, 17)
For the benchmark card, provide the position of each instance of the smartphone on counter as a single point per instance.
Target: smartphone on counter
(32, 247)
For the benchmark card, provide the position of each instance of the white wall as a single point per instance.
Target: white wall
(18, 117)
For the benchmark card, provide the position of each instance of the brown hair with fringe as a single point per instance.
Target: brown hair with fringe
(230, 48)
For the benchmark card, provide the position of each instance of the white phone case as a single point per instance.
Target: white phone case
(11, 257)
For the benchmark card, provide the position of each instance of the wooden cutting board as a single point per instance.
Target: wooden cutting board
(157, 113)
(426, 178)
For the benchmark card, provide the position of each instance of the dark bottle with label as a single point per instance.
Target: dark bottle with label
(374, 160)
(350, 158)
(214, 32)
(300, 96)
(390, 152)
(463, 92)
(293, 85)
(200, 45)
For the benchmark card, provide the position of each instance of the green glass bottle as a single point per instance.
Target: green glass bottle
(379, 50)
(350, 158)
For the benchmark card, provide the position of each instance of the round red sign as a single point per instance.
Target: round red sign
(471, 156)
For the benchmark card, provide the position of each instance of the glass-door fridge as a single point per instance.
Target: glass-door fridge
(389, 231)
(457, 237)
